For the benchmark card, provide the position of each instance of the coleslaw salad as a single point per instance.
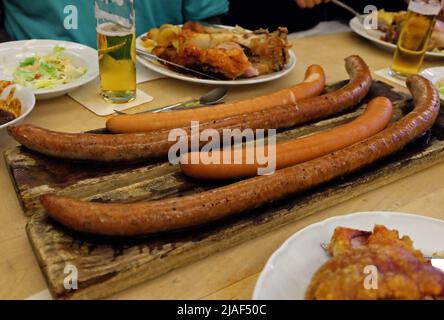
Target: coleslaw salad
(47, 71)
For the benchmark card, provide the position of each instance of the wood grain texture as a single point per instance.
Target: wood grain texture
(228, 274)
(108, 265)
(34, 174)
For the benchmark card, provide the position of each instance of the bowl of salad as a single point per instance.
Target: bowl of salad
(49, 68)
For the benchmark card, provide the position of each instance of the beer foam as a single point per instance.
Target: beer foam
(110, 29)
(428, 8)
(101, 14)
(118, 2)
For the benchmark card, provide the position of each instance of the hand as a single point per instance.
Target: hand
(309, 3)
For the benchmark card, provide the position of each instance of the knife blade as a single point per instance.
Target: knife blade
(349, 9)
(153, 57)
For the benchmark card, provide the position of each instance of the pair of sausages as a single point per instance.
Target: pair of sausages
(247, 161)
(312, 86)
(129, 147)
(182, 212)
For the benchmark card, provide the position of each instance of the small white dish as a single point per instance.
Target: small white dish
(11, 53)
(288, 272)
(27, 100)
(173, 74)
(375, 37)
(434, 74)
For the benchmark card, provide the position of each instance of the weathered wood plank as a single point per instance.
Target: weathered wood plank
(34, 174)
(107, 265)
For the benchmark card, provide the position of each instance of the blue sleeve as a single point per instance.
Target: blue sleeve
(194, 10)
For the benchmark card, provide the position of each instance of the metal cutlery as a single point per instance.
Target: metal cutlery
(349, 9)
(152, 57)
(210, 98)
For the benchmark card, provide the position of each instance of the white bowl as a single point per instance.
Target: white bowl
(27, 99)
(11, 53)
(288, 272)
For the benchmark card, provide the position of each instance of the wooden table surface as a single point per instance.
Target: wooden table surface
(231, 274)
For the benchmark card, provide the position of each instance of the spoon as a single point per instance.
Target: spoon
(212, 97)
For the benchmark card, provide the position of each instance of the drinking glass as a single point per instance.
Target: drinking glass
(116, 42)
(414, 38)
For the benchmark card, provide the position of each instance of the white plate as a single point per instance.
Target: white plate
(375, 36)
(170, 73)
(27, 100)
(11, 53)
(434, 75)
(288, 272)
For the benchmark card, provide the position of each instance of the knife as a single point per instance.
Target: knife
(152, 57)
(349, 9)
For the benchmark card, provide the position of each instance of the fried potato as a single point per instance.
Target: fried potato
(167, 35)
(153, 33)
(148, 44)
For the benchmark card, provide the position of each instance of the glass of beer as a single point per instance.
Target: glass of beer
(414, 38)
(116, 42)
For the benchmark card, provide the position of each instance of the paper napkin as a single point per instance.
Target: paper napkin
(144, 74)
(385, 73)
(89, 95)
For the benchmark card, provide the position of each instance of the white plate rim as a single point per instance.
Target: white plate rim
(429, 74)
(254, 80)
(90, 75)
(358, 28)
(271, 261)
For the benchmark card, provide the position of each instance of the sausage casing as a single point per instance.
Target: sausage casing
(129, 147)
(182, 212)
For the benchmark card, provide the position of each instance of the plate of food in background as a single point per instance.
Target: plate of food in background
(223, 55)
(47, 67)
(16, 102)
(389, 28)
(332, 259)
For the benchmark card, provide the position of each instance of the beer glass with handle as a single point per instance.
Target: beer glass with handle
(415, 35)
(116, 42)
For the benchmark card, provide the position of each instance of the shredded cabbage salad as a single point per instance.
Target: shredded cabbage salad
(440, 86)
(42, 72)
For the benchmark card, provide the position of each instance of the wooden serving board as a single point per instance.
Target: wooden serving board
(107, 265)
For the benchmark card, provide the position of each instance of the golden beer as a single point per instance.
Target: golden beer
(414, 38)
(117, 62)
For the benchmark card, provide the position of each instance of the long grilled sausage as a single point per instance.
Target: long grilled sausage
(182, 212)
(148, 145)
(312, 86)
(222, 164)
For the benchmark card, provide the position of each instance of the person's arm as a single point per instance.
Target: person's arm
(309, 3)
